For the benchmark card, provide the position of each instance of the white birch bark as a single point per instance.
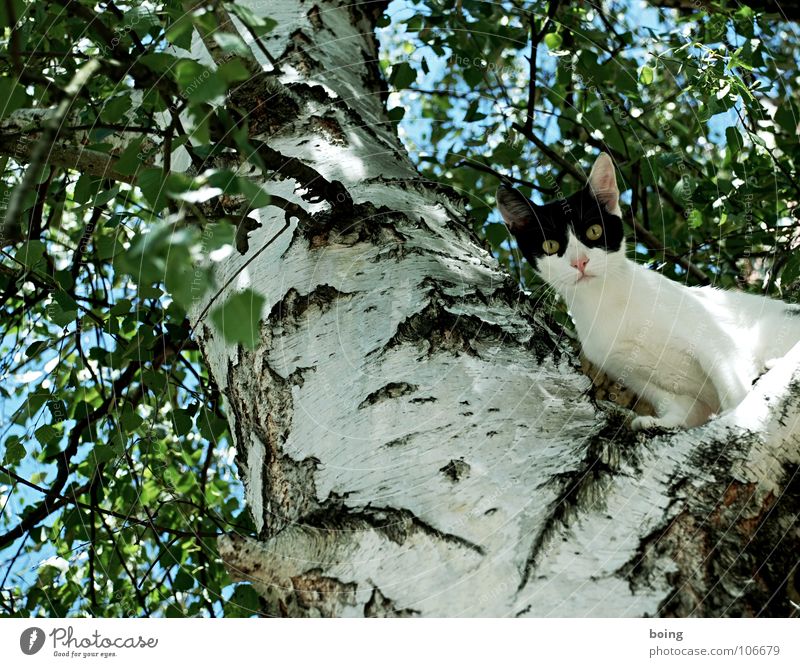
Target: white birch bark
(414, 440)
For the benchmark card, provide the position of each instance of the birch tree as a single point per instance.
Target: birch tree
(413, 430)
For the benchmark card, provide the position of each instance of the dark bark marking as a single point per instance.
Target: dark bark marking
(396, 524)
(290, 310)
(318, 187)
(314, 18)
(584, 487)
(437, 330)
(326, 595)
(365, 223)
(266, 111)
(749, 545)
(391, 390)
(296, 53)
(328, 127)
(522, 611)
(379, 606)
(456, 470)
(735, 546)
(287, 486)
(403, 440)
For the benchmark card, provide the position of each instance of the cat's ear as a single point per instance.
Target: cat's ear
(603, 184)
(516, 209)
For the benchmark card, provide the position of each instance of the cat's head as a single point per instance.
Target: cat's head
(574, 242)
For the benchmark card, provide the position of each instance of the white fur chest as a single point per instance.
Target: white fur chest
(645, 333)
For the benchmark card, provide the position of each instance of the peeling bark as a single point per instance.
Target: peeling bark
(415, 440)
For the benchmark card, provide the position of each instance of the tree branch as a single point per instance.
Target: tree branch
(65, 500)
(552, 8)
(50, 125)
(479, 166)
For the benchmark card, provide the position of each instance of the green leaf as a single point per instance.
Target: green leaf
(183, 581)
(472, 114)
(179, 31)
(239, 317)
(260, 25)
(17, 7)
(403, 75)
(130, 420)
(65, 300)
(253, 193)
(695, 219)
(15, 450)
(473, 77)
(121, 307)
(646, 75)
(553, 41)
(31, 255)
(243, 603)
(151, 183)
(198, 82)
(182, 421)
(496, 234)
(58, 411)
(107, 246)
(12, 96)
(735, 141)
(396, 114)
(233, 71)
(130, 159)
(159, 61)
(86, 188)
(231, 43)
(46, 434)
(103, 453)
(35, 347)
(179, 276)
(791, 270)
(114, 109)
(141, 18)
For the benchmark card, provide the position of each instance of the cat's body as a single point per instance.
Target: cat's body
(691, 352)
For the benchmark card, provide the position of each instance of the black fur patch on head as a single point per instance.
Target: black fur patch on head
(532, 225)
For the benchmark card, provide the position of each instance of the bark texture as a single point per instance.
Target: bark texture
(416, 440)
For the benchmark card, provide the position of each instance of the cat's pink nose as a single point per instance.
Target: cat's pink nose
(580, 263)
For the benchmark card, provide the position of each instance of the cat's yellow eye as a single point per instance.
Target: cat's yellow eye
(594, 232)
(550, 247)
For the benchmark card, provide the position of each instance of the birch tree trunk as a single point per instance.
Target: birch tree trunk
(415, 440)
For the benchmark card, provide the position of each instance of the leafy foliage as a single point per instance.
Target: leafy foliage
(116, 469)
(116, 472)
(698, 110)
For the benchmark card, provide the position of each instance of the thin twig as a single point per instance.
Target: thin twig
(65, 500)
(479, 166)
(552, 8)
(286, 224)
(50, 127)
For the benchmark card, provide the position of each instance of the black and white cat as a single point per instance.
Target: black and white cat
(691, 352)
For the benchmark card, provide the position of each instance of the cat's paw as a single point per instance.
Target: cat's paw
(643, 423)
(650, 423)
